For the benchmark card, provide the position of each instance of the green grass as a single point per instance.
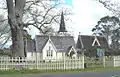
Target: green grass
(35, 71)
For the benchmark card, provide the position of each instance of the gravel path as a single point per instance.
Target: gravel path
(85, 74)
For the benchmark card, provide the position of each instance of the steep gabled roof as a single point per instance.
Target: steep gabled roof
(71, 48)
(62, 43)
(50, 42)
(40, 42)
(30, 45)
(86, 41)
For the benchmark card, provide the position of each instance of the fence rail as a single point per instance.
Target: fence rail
(105, 61)
(23, 63)
(17, 63)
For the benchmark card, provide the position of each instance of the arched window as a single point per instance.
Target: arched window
(49, 52)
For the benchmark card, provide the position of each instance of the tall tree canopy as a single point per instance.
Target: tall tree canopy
(114, 7)
(110, 28)
(106, 26)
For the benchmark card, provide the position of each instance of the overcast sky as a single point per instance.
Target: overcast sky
(86, 15)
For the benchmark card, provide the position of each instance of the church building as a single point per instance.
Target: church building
(56, 46)
(62, 45)
(92, 45)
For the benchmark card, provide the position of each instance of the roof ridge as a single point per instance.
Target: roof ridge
(52, 36)
(92, 35)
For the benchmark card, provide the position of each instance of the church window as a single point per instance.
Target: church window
(49, 52)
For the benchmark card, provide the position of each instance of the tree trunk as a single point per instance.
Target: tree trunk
(15, 14)
(17, 43)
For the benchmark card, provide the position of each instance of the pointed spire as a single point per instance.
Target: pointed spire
(62, 24)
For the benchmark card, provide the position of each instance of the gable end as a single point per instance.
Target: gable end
(96, 42)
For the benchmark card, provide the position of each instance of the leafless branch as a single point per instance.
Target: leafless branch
(6, 40)
(110, 6)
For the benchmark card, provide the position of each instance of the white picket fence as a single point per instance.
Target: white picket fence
(112, 61)
(7, 63)
(105, 61)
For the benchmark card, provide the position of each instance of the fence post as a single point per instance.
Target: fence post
(64, 62)
(104, 61)
(83, 61)
(6, 63)
(36, 61)
(113, 61)
(25, 59)
(80, 63)
(0, 62)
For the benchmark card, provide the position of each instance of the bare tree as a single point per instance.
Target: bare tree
(15, 14)
(43, 14)
(112, 5)
(4, 31)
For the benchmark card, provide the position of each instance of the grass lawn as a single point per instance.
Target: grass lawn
(32, 72)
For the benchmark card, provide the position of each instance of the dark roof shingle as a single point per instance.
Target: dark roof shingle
(62, 43)
(87, 41)
(31, 45)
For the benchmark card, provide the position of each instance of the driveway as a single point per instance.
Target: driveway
(85, 74)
